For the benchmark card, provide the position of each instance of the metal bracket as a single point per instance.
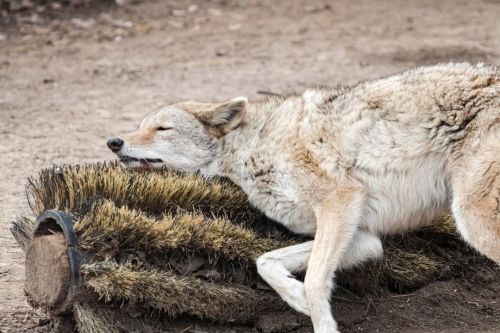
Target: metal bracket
(55, 221)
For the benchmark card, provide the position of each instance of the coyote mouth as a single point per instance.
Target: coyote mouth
(128, 159)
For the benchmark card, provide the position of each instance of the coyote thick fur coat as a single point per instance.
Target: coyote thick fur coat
(345, 165)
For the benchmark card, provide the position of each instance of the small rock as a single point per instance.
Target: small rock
(214, 12)
(317, 9)
(311, 9)
(234, 27)
(83, 24)
(178, 12)
(364, 63)
(192, 8)
(2, 37)
(35, 19)
(117, 23)
(41, 30)
(221, 53)
(174, 24)
(321, 57)
(55, 5)
(17, 5)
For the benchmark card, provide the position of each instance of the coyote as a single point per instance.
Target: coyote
(345, 165)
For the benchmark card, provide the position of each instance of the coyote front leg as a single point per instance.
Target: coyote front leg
(337, 221)
(276, 267)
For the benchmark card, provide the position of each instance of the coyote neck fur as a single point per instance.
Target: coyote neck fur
(275, 122)
(239, 145)
(259, 157)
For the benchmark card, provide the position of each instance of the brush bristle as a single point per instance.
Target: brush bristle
(139, 234)
(21, 229)
(185, 230)
(96, 318)
(171, 293)
(76, 187)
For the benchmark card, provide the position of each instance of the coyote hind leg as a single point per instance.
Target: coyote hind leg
(476, 200)
(276, 268)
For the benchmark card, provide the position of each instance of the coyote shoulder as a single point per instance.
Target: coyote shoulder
(346, 165)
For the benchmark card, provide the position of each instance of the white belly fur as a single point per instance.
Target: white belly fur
(402, 201)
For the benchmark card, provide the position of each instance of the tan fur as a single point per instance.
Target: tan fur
(142, 137)
(476, 204)
(347, 165)
(306, 160)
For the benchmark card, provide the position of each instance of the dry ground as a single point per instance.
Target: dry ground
(71, 80)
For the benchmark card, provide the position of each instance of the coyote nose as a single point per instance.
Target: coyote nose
(115, 144)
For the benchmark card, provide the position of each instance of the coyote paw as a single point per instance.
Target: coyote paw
(296, 298)
(326, 325)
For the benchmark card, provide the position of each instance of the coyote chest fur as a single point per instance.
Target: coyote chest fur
(345, 165)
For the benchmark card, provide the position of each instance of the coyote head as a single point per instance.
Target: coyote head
(184, 136)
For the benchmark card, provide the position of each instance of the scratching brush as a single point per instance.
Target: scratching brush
(118, 249)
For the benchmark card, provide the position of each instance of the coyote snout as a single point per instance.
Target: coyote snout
(115, 144)
(345, 165)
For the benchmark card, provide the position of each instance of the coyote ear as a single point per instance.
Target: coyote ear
(225, 116)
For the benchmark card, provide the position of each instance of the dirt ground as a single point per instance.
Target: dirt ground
(73, 78)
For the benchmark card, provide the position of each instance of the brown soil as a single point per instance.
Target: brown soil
(70, 80)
